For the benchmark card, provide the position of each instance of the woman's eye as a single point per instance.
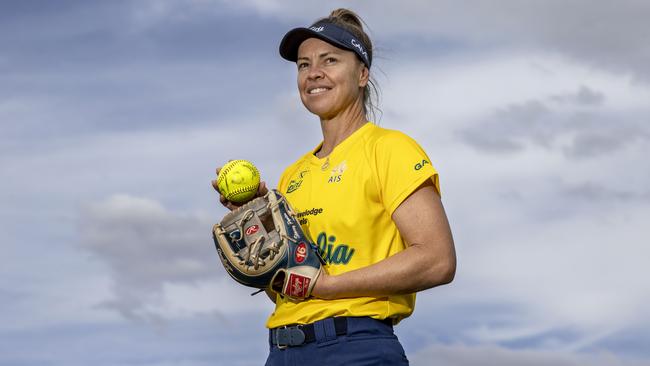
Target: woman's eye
(330, 60)
(302, 65)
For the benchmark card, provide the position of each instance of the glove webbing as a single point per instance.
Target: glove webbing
(258, 243)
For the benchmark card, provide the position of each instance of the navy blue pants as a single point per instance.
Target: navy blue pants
(367, 342)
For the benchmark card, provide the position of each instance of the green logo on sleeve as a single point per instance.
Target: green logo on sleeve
(421, 164)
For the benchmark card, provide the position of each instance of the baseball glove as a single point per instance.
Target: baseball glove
(262, 245)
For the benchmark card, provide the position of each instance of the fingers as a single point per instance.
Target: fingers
(228, 204)
(262, 190)
(231, 206)
(214, 181)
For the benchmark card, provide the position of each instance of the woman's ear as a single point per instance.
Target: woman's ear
(364, 76)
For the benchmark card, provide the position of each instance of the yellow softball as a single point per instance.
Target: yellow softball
(238, 180)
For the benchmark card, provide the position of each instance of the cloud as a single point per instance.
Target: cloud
(574, 123)
(597, 193)
(600, 34)
(501, 133)
(79, 70)
(461, 355)
(200, 340)
(145, 247)
(584, 96)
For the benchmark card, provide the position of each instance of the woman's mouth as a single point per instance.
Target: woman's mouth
(317, 90)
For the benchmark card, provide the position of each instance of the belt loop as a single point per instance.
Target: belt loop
(324, 330)
(319, 331)
(330, 329)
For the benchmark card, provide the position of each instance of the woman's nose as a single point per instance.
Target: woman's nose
(315, 72)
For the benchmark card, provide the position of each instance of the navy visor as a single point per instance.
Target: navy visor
(328, 32)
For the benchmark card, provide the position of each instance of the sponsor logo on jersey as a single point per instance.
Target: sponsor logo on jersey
(296, 183)
(313, 211)
(333, 252)
(337, 173)
(302, 215)
(252, 229)
(298, 285)
(421, 164)
(301, 252)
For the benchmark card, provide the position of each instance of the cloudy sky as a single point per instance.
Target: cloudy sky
(114, 114)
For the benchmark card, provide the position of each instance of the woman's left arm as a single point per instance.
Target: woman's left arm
(429, 259)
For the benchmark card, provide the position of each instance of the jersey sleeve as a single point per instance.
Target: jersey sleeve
(402, 166)
(282, 182)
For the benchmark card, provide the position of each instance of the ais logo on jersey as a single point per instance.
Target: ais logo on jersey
(421, 164)
(337, 173)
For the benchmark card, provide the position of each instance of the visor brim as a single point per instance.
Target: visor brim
(294, 38)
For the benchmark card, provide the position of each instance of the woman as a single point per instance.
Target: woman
(369, 197)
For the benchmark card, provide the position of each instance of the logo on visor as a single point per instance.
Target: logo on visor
(318, 29)
(358, 46)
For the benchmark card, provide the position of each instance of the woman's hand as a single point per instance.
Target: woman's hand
(261, 191)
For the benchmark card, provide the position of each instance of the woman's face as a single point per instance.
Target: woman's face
(330, 79)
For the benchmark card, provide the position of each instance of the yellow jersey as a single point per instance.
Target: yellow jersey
(344, 202)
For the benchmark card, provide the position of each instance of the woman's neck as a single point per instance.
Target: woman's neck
(338, 128)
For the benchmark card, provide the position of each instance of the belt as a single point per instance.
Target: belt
(296, 335)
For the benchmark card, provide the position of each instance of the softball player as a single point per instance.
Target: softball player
(369, 197)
